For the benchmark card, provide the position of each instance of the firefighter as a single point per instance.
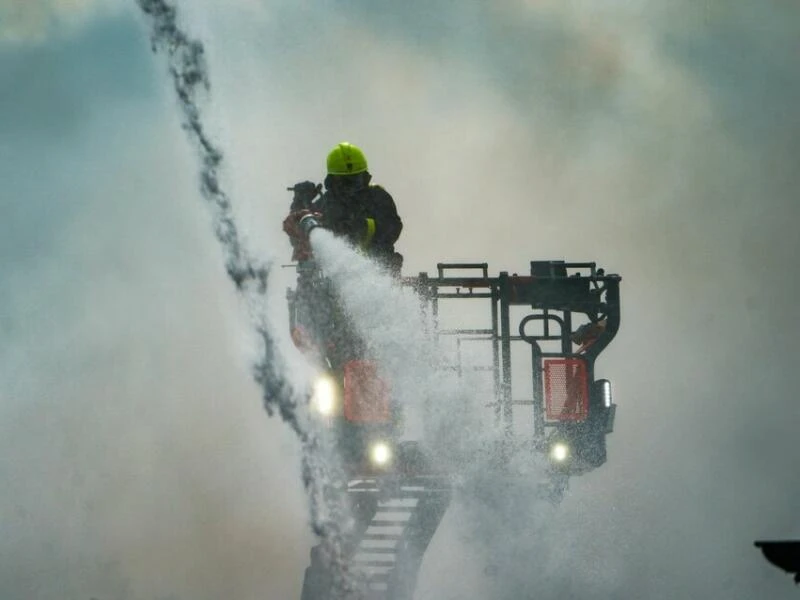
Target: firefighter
(363, 214)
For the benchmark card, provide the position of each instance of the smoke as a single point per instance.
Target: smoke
(136, 459)
(35, 20)
(656, 138)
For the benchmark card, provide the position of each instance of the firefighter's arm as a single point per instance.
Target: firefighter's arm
(384, 225)
(361, 230)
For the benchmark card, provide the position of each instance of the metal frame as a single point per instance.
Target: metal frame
(554, 291)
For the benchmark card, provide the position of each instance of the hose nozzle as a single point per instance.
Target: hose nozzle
(308, 223)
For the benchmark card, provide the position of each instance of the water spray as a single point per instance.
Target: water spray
(388, 317)
(189, 73)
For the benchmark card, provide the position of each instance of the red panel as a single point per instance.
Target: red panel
(366, 395)
(566, 389)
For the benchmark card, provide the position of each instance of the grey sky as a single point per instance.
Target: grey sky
(659, 139)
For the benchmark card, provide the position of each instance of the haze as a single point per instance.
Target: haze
(659, 139)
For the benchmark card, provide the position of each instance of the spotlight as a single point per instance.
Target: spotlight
(605, 392)
(380, 454)
(559, 452)
(324, 396)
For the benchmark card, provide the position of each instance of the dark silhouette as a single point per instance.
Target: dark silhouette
(784, 555)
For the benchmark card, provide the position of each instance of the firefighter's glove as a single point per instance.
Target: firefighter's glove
(298, 237)
(304, 194)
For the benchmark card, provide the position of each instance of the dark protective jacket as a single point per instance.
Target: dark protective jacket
(367, 218)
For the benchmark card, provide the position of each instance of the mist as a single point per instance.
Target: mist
(658, 139)
(138, 461)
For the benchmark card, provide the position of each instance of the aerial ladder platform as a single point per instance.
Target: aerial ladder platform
(547, 328)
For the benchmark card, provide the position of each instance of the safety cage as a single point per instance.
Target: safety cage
(545, 328)
(566, 313)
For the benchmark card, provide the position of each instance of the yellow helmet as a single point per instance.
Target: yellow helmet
(346, 159)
